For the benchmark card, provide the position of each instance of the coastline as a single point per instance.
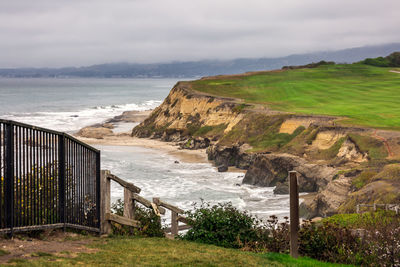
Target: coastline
(114, 137)
(218, 187)
(106, 134)
(184, 155)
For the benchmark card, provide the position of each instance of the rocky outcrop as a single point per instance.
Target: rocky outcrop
(131, 116)
(195, 143)
(271, 169)
(95, 132)
(350, 152)
(231, 156)
(328, 200)
(185, 113)
(101, 130)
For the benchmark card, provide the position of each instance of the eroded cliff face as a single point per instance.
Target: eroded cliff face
(329, 159)
(185, 113)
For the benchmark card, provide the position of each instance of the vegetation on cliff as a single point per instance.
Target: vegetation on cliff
(365, 95)
(305, 119)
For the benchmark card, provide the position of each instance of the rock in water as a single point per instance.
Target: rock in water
(95, 132)
(222, 168)
(281, 189)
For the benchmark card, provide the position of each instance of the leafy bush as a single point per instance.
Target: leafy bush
(239, 108)
(378, 62)
(273, 236)
(362, 179)
(211, 131)
(332, 240)
(150, 223)
(380, 218)
(393, 60)
(222, 225)
(309, 66)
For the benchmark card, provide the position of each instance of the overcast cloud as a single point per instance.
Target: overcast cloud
(54, 33)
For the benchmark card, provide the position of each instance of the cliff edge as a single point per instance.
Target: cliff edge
(342, 165)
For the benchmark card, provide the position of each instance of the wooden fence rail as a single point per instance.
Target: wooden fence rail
(394, 207)
(131, 198)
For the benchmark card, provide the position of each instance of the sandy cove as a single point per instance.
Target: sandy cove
(184, 155)
(105, 136)
(102, 134)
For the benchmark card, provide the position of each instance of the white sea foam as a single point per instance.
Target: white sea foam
(71, 121)
(185, 183)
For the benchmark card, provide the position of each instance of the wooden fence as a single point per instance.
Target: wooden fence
(394, 207)
(131, 198)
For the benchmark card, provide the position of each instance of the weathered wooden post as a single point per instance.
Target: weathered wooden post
(294, 214)
(128, 204)
(156, 200)
(105, 205)
(174, 223)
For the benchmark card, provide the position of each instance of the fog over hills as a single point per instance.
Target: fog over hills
(205, 67)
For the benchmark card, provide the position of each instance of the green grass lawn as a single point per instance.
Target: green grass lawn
(366, 95)
(163, 252)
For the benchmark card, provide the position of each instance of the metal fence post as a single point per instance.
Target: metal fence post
(98, 189)
(294, 214)
(9, 176)
(61, 178)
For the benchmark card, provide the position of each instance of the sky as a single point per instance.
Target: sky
(56, 33)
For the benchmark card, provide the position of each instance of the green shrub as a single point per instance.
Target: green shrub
(239, 108)
(211, 131)
(3, 252)
(374, 147)
(363, 179)
(363, 220)
(330, 152)
(150, 223)
(393, 60)
(390, 172)
(203, 130)
(221, 225)
(331, 240)
(328, 242)
(273, 139)
(378, 62)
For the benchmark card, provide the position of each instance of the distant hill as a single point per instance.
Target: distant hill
(205, 67)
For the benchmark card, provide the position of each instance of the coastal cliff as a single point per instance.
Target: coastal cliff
(336, 163)
(185, 114)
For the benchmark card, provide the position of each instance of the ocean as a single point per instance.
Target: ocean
(70, 104)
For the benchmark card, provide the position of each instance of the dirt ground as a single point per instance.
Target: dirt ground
(56, 243)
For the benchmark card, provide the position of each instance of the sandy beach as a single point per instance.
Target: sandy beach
(184, 155)
(115, 137)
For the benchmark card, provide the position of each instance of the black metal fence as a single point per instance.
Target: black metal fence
(48, 180)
